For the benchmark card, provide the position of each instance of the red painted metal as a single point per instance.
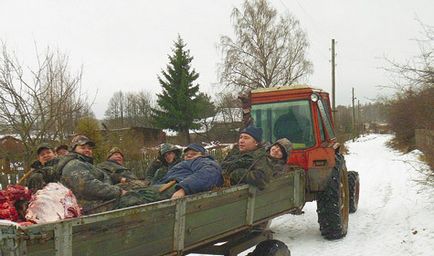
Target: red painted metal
(322, 150)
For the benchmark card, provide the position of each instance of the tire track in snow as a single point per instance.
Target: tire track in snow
(391, 209)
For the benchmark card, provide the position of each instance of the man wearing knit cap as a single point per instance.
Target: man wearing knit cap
(114, 167)
(248, 163)
(278, 155)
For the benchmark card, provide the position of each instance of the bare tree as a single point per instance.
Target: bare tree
(43, 103)
(115, 111)
(129, 109)
(269, 50)
(418, 71)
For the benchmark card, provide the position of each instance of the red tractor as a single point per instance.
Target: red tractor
(303, 115)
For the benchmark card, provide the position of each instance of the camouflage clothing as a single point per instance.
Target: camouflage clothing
(116, 171)
(42, 175)
(159, 167)
(249, 167)
(90, 185)
(142, 196)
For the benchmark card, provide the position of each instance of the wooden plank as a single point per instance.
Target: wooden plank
(139, 231)
(207, 203)
(272, 209)
(208, 223)
(268, 198)
(150, 231)
(40, 248)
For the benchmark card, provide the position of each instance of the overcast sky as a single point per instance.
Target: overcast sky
(123, 45)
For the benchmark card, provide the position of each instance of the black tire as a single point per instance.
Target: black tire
(354, 189)
(333, 203)
(271, 247)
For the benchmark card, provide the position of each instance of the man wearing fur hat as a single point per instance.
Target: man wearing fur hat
(248, 163)
(114, 167)
(278, 155)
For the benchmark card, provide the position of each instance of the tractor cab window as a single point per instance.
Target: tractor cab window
(321, 128)
(290, 119)
(324, 111)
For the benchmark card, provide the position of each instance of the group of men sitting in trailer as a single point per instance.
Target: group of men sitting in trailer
(175, 173)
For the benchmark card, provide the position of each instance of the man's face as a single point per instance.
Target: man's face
(246, 143)
(276, 152)
(117, 157)
(84, 150)
(62, 152)
(191, 154)
(169, 157)
(45, 155)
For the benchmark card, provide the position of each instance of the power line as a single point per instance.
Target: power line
(318, 50)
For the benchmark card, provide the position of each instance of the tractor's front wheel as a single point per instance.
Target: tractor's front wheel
(333, 203)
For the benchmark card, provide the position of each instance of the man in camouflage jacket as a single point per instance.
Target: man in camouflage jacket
(91, 186)
(248, 164)
(43, 168)
(169, 156)
(114, 167)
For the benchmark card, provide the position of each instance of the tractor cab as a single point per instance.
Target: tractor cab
(303, 115)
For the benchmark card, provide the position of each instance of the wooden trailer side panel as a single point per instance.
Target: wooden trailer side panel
(142, 233)
(161, 228)
(206, 218)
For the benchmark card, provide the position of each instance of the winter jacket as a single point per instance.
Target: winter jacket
(116, 171)
(196, 175)
(90, 185)
(251, 167)
(42, 175)
(159, 167)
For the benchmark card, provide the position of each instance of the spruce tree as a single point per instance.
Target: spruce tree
(178, 104)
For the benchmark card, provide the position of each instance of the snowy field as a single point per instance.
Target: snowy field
(395, 214)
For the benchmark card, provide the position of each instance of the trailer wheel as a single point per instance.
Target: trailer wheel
(354, 188)
(333, 203)
(271, 247)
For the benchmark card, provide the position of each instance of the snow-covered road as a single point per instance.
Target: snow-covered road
(395, 215)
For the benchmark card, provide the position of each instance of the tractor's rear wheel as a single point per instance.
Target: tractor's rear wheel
(354, 188)
(333, 203)
(271, 248)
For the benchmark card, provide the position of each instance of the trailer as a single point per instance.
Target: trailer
(223, 222)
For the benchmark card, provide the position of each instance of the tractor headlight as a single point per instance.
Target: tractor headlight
(314, 97)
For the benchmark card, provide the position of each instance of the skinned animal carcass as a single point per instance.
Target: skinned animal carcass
(53, 202)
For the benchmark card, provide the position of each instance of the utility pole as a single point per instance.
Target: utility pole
(354, 114)
(359, 119)
(333, 82)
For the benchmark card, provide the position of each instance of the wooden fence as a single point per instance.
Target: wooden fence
(10, 173)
